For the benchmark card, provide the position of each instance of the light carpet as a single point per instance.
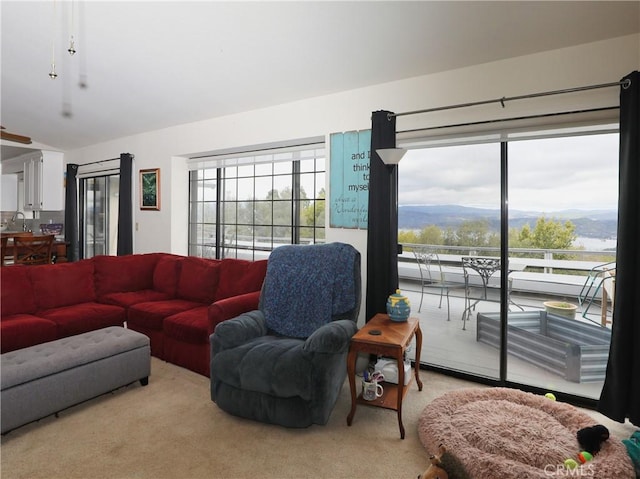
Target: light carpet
(171, 429)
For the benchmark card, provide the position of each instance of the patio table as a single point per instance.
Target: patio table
(485, 267)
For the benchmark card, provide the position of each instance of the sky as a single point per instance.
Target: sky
(545, 175)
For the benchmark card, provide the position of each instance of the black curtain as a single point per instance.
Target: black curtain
(382, 236)
(620, 397)
(125, 205)
(71, 213)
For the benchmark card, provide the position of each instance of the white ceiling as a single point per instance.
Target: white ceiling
(150, 65)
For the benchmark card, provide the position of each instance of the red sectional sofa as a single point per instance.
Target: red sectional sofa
(175, 300)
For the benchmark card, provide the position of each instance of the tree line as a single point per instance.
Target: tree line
(546, 234)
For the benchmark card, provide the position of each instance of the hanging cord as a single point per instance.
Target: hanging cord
(72, 47)
(52, 74)
(626, 83)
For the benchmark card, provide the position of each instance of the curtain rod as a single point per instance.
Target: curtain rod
(101, 161)
(97, 173)
(516, 118)
(625, 84)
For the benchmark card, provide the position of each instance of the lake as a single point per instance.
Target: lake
(595, 244)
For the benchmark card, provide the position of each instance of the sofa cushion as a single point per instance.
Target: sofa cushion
(238, 276)
(115, 274)
(22, 330)
(133, 297)
(17, 292)
(189, 326)
(57, 285)
(151, 315)
(198, 279)
(83, 317)
(166, 274)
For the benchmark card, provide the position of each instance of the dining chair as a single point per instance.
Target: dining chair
(4, 250)
(7, 246)
(32, 250)
(432, 276)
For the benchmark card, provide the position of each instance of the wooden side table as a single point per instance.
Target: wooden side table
(392, 341)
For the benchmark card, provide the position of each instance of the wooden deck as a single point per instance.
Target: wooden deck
(446, 344)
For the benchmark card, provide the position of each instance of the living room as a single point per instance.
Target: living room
(272, 120)
(168, 148)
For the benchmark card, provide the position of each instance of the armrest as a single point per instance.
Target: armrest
(237, 331)
(331, 338)
(231, 307)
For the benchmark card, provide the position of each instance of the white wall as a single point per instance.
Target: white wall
(166, 230)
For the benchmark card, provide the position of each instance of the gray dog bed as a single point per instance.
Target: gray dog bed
(49, 377)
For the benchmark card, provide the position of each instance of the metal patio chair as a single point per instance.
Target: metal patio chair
(596, 284)
(432, 276)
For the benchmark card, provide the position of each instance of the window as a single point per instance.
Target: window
(244, 205)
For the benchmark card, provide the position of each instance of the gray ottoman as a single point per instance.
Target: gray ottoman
(49, 377)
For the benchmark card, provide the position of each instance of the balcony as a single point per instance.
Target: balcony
(541, 276)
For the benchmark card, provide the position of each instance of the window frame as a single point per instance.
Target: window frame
(231, 176)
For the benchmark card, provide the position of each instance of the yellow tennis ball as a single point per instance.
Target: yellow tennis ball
(570, 463)
(550, 396)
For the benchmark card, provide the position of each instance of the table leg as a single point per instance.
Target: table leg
(351, 372)
(603, 309)
(400, 361)
(417, 361)
(400, 423)
(467, 306)
(466, 314)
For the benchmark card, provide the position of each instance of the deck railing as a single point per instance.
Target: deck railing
(544, 271)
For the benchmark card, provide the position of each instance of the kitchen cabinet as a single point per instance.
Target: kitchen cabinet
(43, 181)
(9, 201)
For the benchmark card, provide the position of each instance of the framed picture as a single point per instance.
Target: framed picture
(150, 189)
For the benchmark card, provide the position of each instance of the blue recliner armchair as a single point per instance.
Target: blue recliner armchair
(285, 363)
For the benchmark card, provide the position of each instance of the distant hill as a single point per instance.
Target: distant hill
(589, 223)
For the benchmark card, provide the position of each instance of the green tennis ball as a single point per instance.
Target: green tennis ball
(550, 396)
(585, 456)
(570, 464)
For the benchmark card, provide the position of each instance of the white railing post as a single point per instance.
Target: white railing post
(548, 255)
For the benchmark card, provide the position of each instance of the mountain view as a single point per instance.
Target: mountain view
(589, 224)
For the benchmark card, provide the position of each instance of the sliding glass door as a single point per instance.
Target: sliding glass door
(563, 195)
(449, 215)
(99, 215)
(518, 238)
